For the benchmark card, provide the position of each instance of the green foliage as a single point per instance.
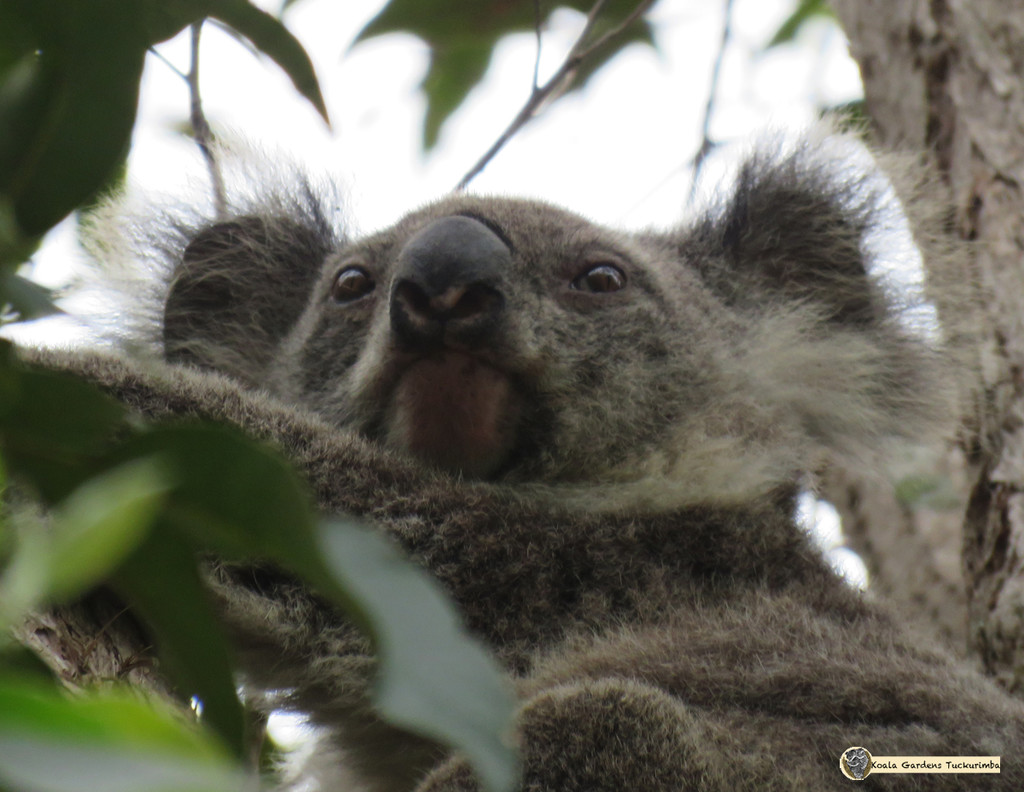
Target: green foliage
(137, 507)
(928, 491)
(69, 83)
(25, 299)
(70, 89)
(270, 37)
(462, 36)
(86, 538)
(805, 11)
(404, 614)
(51, 742)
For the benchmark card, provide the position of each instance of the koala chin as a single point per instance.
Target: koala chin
(446, 399)
(592, 439)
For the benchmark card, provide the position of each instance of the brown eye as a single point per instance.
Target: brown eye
(601, 279)
(351, 284)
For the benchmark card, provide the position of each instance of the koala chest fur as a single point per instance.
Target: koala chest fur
(592, 439)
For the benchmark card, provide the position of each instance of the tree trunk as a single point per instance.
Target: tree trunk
(944, 75)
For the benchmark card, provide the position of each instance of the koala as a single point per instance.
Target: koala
(593, 440)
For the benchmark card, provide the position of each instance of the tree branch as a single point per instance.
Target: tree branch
(707, 145)
(559, 81)
(537, 31)
(201, 131)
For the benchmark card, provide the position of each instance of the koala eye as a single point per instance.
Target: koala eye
(601, 279)
(350, 284)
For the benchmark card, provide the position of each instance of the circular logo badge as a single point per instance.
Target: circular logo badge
(855, 763)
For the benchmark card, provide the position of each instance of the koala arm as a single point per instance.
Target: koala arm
(605, 734)
(527, 576)
(159, 391)
(524, 571)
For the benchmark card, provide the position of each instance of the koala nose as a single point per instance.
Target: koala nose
(448, 285)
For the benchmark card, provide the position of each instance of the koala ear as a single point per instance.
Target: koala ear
(820, 342)
(795, 227)
(239, 287)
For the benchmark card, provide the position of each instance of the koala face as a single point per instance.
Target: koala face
(512, 341)
(500, 338)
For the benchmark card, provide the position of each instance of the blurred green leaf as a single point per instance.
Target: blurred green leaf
(24, 663)
(101, 522)
(69, 82)
(50, 742)
(54, 429)
(161, 581)
(241, 500)
(24, 298)
(805, 11)
(273, 39)
(462, 36)
(453, 72)
(76, 93)
(235, 496)
(433, 678)
(89, 534)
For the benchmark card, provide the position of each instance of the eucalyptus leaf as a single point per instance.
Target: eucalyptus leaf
(69, 90)
(101, 522)
(462, 35)
(162, 582)
(26, 298)
(235, 496)
(51, 742)
(805, 11)
(54, 429)
(33, 707)
(41, 765)
(85, 539)
(273, 39)
(433, 678)
(78, 104)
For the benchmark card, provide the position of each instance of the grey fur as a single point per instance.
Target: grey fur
(613, 512)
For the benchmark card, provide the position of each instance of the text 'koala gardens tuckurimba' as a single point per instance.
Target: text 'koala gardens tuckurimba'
(593, 440)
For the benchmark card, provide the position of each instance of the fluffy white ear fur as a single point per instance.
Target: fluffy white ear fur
(135, 241)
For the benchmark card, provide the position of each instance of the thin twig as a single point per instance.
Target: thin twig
(536, 28)
(707, 145)
(634, 15)
(201, 131)
(558, 83)
(168, 64)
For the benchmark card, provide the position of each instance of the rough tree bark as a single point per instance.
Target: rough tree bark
(944, 75)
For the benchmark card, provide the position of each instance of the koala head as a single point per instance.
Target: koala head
(510, 340)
